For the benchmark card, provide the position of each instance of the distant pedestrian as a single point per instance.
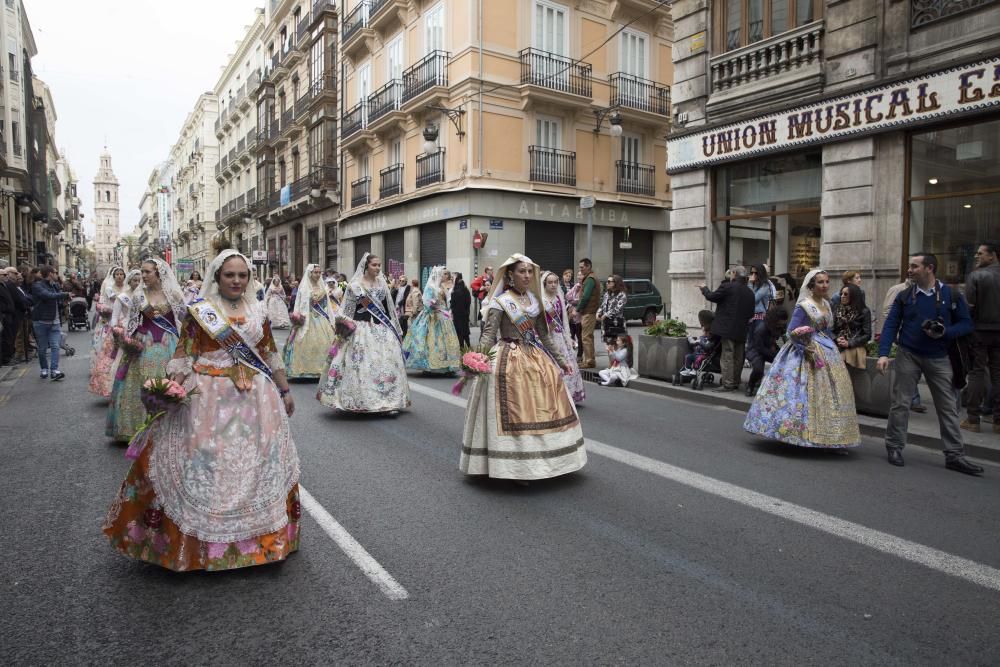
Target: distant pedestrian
(735, 308)
(982, 289)
(590, 299)
(461, 306)
(852, 328)
(762, 346)
(8, 310)
(924, 319)
(575, 328)
(612, 310)
(557, 318)
(46, 322)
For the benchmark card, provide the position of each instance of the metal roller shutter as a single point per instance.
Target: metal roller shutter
(637, 262)
(362, 244)
(550, 245)
(392, 247)
(433, 248)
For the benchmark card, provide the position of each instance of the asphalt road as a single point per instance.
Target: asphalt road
(683, 541)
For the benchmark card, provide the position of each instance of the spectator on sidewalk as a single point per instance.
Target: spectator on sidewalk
(735, 308)
(848, 278)
(982, 290)
(22, 312)
(46, 322)
(852, 326)
(924, 319)
(575, 328)
(890, 296)
(461, 306)
(762, 346)
(590, 299)
(8, 332)
(611, 313)
(480, 287)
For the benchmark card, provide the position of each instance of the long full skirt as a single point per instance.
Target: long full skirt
(431, 344)
(126, 412)
(305, 355)
(366, 374)
(101, 361)
(520, 422)
(216, 486)
(573, 379)
(277, 312)
(805, 406)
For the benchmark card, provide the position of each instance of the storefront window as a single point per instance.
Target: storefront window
(954, 190)
(771, 212)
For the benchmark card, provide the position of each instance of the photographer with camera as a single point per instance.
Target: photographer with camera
(923, 320)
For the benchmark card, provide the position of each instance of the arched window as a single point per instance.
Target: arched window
(107, 195)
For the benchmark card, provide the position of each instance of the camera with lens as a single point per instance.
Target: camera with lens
(933, 328)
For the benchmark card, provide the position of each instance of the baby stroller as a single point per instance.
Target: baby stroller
(705, 370)
(78, 320)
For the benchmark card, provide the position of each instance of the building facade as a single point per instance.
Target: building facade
(845, 135)
(195, 196)
(469, 120)
(107, 208)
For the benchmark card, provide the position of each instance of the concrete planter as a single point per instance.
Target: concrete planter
(661, 357)
(872, 390)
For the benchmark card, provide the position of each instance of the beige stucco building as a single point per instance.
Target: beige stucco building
(464, 117)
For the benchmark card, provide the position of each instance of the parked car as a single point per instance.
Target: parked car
(644, 301)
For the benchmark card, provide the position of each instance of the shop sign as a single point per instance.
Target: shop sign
(945, 94)
(184, 265)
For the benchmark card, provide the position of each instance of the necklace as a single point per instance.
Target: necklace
(232, 304)
(523, 299)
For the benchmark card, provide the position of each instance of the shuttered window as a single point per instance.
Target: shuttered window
(550, 245)
(433, 248)
(636, 262)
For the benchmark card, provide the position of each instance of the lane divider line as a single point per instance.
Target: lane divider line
(350, 546)
(935, 559)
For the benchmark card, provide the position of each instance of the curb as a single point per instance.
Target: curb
(9, 375)
(870, 426)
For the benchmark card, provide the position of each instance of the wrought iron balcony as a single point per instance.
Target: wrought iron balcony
(355, 21)
(326, 83)
(431, 71)
(430, 168)
(548, 70)
(635, 179)
(355, 119)
(302, 29)
(286, 118)
(359, 191)
(302, 104)
(384, 100)
(15, 75)
(391, 181)
(633, 92)
(551, 165)
(325, 177)
(793, 50)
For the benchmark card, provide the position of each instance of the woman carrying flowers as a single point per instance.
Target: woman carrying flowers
(215, 484)
(807, 399)
(431, 343)
(148, 336)
(520, 423)
(305, 351)
(103, 353)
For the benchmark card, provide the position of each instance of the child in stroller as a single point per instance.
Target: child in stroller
(78, 319)
(704, 360)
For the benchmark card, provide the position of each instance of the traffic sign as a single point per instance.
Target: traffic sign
(587, 202)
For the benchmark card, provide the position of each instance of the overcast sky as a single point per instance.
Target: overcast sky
(127, 72)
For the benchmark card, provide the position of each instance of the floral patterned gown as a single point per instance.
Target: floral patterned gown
(216, 487)
(563, 342)
(431, 343)
(807, 398)
(306, 349)
(103, 353)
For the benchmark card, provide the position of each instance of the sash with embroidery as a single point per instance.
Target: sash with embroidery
(375, 310)
(320, 310)
(555, 320)
(524, 324)
(160, 321)
(229, 339)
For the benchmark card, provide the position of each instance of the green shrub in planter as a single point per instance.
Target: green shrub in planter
(662, 349)
(669, 328)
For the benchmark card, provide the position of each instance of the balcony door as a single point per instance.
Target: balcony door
(394, 58)
(364, 88)
(632, 57)
(434, 28)
(548, 135)
(550, 36)
(631, 158)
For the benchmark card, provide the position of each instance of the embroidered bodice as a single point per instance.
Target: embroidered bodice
(498, 325)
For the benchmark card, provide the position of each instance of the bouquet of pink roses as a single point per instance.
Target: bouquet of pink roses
(474, 364)
(128, 343)
(810, 347)
(803, 331)
(159, 396)
(104, 312)
(344, 328)
(297, 318)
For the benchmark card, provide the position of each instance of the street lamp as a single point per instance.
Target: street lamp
(430, 138)
(614, 121)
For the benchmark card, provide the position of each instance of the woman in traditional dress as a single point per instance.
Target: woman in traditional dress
(807, 399)
(277, 305)
(431, 344)
(156, 308)
(366, 371)
(216, 485)
(520, 423)
(119, 319)
(103, 353)
(557, 320)
(305, 352)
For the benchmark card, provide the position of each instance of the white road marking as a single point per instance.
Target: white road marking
(350, 546)
(942, 561)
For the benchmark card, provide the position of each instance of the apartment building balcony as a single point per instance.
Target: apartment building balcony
(303, 103)
(302, 40)
(551, 165)
(356, 29)
(322, 9)
(289, 128)
(548, 77)
(250, 142)
(384, 106)
(219, 132)
(253, 82)
(391, 181)
(430, 168)
(385, 14)
(426, 79)
(359, 191)
(635, 96)
(354, 126)
(787, 66)
(323, 89)
(294, 55)
(635, 179)
(273, 129)
(227, 119)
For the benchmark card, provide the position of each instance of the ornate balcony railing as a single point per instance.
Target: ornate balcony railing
(391, 181)
(355, 119)
(428, 72)
(385, 100)
(548, 70)
(791, 50)
(302, 29)
(633, 92)
(355, 21)
(359, 191)
(327, 82)
(551, 165)
(325, 177)
(286, 117)
(430, 168)
(635, 179)
(302, 104)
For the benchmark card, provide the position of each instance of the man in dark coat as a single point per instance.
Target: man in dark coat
(735, 308)
(461, 303)
(8, 313)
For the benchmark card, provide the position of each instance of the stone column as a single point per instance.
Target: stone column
(690, 252)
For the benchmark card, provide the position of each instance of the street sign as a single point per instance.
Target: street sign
(625, 245)
(184, 265)
(259, 257)
(496, 224)
(479, 240)
(587, 202)
(463, 224)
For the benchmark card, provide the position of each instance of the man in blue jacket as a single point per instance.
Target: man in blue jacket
(923, 320)
(47, 298)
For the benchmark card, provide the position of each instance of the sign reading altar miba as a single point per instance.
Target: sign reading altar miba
(955, 91)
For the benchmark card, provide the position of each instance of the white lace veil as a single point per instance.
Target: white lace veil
(500, 284)
(805, 292)
(108, 284)
(210, 286)
(171, 291)
(356, 289)
(127, 291)
(548, 301)
(303, 303)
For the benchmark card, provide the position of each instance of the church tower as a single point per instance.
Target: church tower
(106, 214)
